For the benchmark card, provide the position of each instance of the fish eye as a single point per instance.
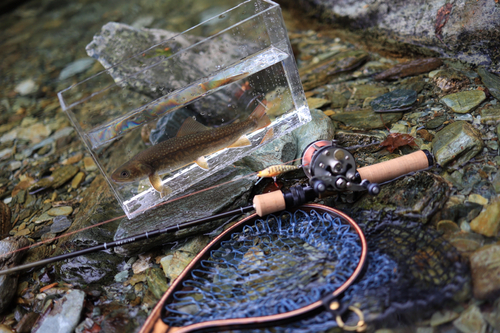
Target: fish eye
(124, 174)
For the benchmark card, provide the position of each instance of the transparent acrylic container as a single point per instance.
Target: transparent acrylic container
(254, 64)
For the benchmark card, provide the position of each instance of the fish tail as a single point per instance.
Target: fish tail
(260, 115)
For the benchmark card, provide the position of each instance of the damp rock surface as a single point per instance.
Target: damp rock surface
(466, 101)
(485, 268)
(65, 315)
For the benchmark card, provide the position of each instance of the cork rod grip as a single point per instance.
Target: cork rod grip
(388, 170)
(269, 203)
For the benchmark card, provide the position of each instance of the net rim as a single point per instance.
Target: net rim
(155, 324)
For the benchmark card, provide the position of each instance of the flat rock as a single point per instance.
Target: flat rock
(76, 67)
(491, 81)
(488, 221)
(60, 224)
(369, 90)
(443, 317)
(366, 119)
(410, 68)
(8, 283)
(57, 211)
(464, 101)
(26, 87)
(65, 315)
(156, 281)
(394, 101)
(485, 268)
(34, 133)
(456, 144)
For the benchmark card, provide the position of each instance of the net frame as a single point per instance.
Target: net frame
(155, 324)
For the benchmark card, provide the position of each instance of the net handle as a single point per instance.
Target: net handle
(154, 323)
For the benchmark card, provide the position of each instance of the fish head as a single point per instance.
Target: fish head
(131, 171)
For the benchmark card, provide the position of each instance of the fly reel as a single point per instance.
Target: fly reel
(332, 168)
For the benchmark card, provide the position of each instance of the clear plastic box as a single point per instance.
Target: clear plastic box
(254, 65)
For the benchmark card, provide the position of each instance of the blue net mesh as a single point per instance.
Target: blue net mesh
(288, 261)
(276, 265)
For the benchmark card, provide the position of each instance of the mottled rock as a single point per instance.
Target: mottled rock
(65, 315)
(360, 141)
(493, 316)
(491, 81)
(76, 67)
(5, 216)
(435, 122)
(479, 199)
(471, 321)
(413, 67)
(8, 283)
(490, 114)
(174, 263)
(142, 264)
(35, 133)
(316, 103)
(369, 90)
(58, 178)
(89, 164)
(447, 226)
(338, 100)
(79, 178)
(464, 101)
(157, 282)
(319, 128)
(87, 269)
(466, 242)
(450, 80)
(394, 101)
(365, 119)
(485, 268)
(122, 276)
(60, 223)
(278, 151)
(488, 221)
(57, 211)
(456, 144)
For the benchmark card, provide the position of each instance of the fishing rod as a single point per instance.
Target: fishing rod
(328, 167)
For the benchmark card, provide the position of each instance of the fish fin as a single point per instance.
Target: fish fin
(241, 142)
(268, 136)
(155, 181)
(202, 162)
(191, 126)
(259, 113)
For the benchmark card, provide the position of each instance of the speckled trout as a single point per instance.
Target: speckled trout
(193, 142)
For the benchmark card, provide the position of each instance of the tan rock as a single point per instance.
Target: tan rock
(485, 268)
(74, 159)
(79, 178)
(488, 221)
(89, 164)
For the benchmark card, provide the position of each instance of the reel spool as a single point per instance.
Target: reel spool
(330, 167)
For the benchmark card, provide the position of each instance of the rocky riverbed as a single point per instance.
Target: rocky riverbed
(426, 90)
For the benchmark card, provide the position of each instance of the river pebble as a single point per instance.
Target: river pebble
(394, 101)
(465, 101)
(57, 211)
(488, 221)
(65, 315)
(26, 87)
(60, 224)
(471, 321)
(485, 268)
(76, 67)
(491, 81)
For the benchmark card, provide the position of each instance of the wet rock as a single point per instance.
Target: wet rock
(488, 221)
(493, 316)
(369, 90)
(27, 322)
(58, 178)
(218, 199)
(175, 261)
(79, 178)
(319, 128)
(471, 321)
(76, 67)
(365, 119)
(73, 159)
(360, 141)
(450, 80)
(417, 197)
(89, 164)
(479, 199)
(465, 101)
(26, 87)
(35, 133)
(319, 73)
(394, 101)
(443, 317)
(485, 268)
(57, 211)
(456, 144)
(466, 242)
(60, 223)
(338, 100)
(157, 282)
(491, 81)
(65, 315)
(414, 67)
(8, 283)
(447, 226)
(87, 269)
(316, 103)
(122, 276)
(142, 264)
(6, 329)
(278, 151)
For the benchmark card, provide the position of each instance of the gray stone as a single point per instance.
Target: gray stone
(279, 151)
(89, 268)
(60, 224)
(456, 144)
(319, 128)
(157, 282)
(8, 283)
(491, 81)
(430, 28)
(366, 119)
(26, 87)
(394, 101)
(435, 122)
(76, 67)
(464, 101)
(65, 315)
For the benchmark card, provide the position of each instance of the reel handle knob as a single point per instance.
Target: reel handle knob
(384, 171)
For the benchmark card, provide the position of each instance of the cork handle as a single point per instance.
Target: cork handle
(269, 203)
(388, 170)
